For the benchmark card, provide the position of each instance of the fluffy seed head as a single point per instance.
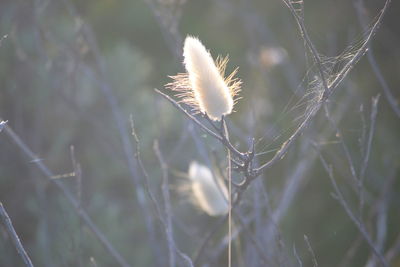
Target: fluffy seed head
(209, 192)
(203, 86)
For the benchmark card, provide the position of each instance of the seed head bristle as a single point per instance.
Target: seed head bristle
(203, 86)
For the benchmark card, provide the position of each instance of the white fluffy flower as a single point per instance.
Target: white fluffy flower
(204, 87)
(209, 192)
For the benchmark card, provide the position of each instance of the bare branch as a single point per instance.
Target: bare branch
(311, 46)
(78, 174)
(351, 251)
(394, 250)
(13, 236)
(345, 148)
(374, 111)
(167, 204)
(2, 125)
(253, 240)
(359, 7)
(70, 198)
(120, 121)
(245, 222)
(168, 20)
(331, 87)
(360, 226)
(314, 260)
(193, 118)
(297, 256)
(199, 253)
(153, 199)
(287, 144)
(222, 138)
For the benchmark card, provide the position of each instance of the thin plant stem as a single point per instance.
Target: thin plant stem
(226, 134)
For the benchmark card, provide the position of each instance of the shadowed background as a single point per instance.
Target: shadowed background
(73, 72)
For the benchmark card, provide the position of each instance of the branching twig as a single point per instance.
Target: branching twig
(359, 6)
(311, 46)
(70, 198)
(119, 120)
(221, 138)
(168, 30)
(202, 247)
(360, 226)
(167, 205)
(343, 144)
(245, 223)
(245, 164)
(252, 238)
(153, 199)
(331, 87)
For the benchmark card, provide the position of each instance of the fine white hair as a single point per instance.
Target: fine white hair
(204, 86)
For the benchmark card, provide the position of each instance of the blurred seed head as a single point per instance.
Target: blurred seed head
(209, 192)
(203, 86)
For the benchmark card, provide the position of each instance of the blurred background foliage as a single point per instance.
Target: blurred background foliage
(60, 57)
